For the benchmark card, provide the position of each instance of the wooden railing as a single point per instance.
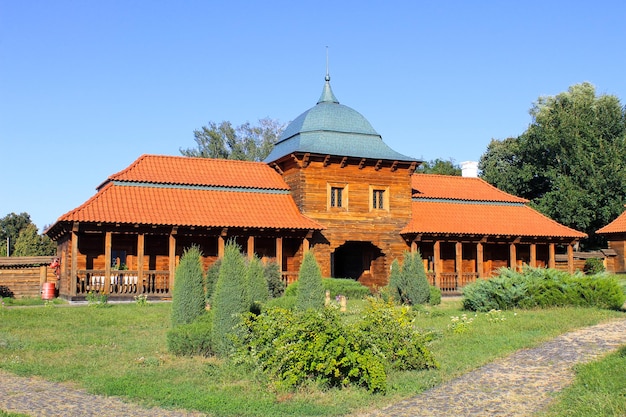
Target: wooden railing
(123, 282)
(450, 282)
(289, 277)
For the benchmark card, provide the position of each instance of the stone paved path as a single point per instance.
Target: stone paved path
(517, 385)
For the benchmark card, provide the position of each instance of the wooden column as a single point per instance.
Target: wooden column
(74, 257)
(551, 256)
(413, 247)
(533, 255)
(221, 242)
(279, 253)
(172, 257)
(108, 239)
(570, 258)
(437, 262)
(480, 259)
(458, 251)
(250, 247)
(140, 255)
(305, 245)
(513, 256)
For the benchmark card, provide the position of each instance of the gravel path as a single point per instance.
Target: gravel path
(517, 385)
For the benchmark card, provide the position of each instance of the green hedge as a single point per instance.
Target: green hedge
(539, 287)
(348, 287)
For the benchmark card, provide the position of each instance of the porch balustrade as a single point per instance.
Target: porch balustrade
(451, 282)
(122, 283)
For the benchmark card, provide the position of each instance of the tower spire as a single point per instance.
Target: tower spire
(327, 93)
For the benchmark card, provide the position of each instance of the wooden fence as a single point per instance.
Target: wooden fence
(25, 276)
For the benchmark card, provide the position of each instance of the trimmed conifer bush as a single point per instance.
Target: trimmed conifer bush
(211, 280)
(274, 280)
(188, 300)
(408, 284)
(256, 285)
(310, 288)
(229, 298)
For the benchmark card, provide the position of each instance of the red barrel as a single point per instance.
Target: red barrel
(48, 291)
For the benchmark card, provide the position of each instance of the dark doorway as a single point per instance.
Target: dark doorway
(353, 259)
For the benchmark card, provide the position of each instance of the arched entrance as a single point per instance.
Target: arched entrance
(354, 259)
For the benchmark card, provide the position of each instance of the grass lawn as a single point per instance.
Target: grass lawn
(599, 390)
(121, 350)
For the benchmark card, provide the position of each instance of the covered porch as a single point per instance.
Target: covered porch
(124, 261)
(451, 262)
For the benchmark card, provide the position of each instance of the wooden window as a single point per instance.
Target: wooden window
(378, 199)
(336, 196)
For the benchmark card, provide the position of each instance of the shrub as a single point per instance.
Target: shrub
(390, 330)
(274, 280)
(593, 266)
(538, 287)
(5, 292)
(229, 298)
(188, 299)
(434, 296)
(409, 284)
(193, 338)
(310, 288)
(337, 286)
(311, 346)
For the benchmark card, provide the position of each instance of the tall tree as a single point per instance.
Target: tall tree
(245, 142)
(570, 162)
(30, 244)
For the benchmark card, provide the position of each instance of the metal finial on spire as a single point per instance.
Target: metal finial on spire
(327, 73)
(327, 94)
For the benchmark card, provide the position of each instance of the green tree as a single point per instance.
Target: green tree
(188, 302)
(30, 243)
(439, 166)
(310, 288)
(570, 162)
(245, 142)
(230, 299)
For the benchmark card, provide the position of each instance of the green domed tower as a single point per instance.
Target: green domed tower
(345, 177)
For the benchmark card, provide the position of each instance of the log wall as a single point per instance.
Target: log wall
(25, 276)
(356, 220)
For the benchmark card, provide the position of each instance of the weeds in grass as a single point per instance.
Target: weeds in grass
(97, 299)
(460, 324)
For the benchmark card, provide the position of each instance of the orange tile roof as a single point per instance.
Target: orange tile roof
(183, 206)
(616, 226)
(200, 171)
(458, 188)
(491, 219)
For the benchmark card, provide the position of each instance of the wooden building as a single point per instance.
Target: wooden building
(615, 233)
(330, 184)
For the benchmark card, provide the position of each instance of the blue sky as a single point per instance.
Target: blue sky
(86, 87)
